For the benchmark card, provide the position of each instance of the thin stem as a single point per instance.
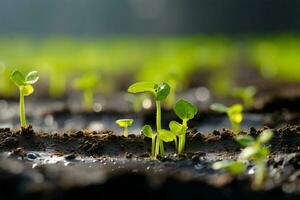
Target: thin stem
(176, 143)
(22, 108)
(88, 99)
(161, 148)
(260, 173)
(182, 138)
(125, 131)
(153, 146)
(156, 147)
(158, 115)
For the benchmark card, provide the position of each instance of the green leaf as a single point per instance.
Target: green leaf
(18, 78)
(27, 90)
(185, 110)
(235, 113)
(263, 152)
(245, 140)
(265, 136)
(177, 128)
(124, 122)
(162, 91)
(166, 136)
(219, 108)
(231, 166)
(143, 87)
(147, 131)
(32, 77)
(249, 152)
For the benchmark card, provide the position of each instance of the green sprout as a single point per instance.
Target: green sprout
(161, 136)
(87, 84)
(160, 93)
(185, 111)
(233, 112)
(246, 94)
(256, 151)
(234, 167)
(24, 83)
(125, 123)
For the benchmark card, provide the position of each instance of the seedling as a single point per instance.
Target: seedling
(162, 136)
(256, 151)
(234, 167)
(185, 111)
(125, 123)
(246, 94)
(87, 84)
(24, 83)
(160, 93)
(233, 112)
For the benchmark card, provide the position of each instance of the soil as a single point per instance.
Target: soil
(124, 165)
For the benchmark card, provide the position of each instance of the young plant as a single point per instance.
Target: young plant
(24, 83)
(234, 167)
(233, 112)
(160, 93)
(256, 151)
(125, 123)
(162, 136)
(246, 94)
(87, 84)
(185, 111)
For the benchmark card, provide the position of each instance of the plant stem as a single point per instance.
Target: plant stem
(156, 147)
(22, 108)
(159, 144)
(176, 143)
(88, 99)
(158, 115)
(260, 174)
(153, 146)
(182, 138)
(125, 131)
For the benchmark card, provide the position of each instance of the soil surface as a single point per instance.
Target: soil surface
(78, 164)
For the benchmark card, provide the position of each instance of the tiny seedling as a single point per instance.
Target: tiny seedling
(234, 167)
(185, 111)
(125, 123)
(233, 112)
(87, 84)
(256, 151)
(160, 93)
(246, 94)
(161, 136)
(24, 83)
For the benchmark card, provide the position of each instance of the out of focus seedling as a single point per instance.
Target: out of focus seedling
(87, 84)
(160, 93)
(257, 152)
(246, 94)
(185, 111)
(234, 113)
(24, 83)
(125, 123)
(162, 136)
(234, 167)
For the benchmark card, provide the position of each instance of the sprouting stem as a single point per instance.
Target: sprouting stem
(182, 138)
(158, 115)
(125, 131)
(88, 99)
(153, 146)
(22, 107)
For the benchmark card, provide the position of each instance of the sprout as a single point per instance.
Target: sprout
(185, 111)
(87, 83)
(256, 151)
(25, 86)
(160, 93)
(234, 167)
(234, 113)
(125, 123)
(246, 94)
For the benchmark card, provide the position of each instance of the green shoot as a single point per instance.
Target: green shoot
(185, 111)
(233, 112)
(256, 151)
(160, 93)
(246, 94)
(24, 83)
(125, 123)
(87, 84)
(234, 167)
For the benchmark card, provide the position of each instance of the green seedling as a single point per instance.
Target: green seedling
(233, 112)
(234, 167)
(161, 136)
(125, 123)
(24, 83)
(257, 151)
(246, 94)
(87, 84)
(185, 111)
(160, 93)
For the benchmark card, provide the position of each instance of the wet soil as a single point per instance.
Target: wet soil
(82, 163)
